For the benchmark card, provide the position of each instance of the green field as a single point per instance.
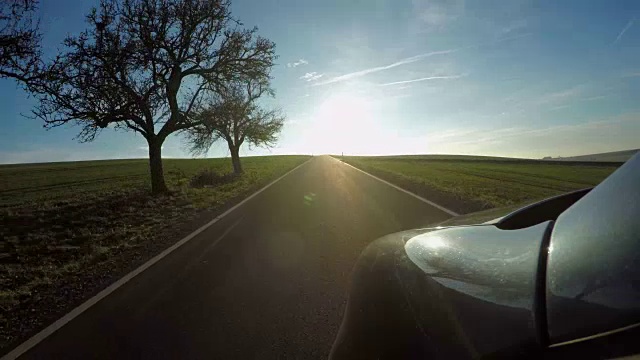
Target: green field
(475, 183)
(64, 224)
(69, 181)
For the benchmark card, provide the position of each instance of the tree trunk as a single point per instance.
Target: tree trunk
(235, 159)
(158, 185)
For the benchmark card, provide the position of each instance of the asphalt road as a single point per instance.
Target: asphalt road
(270, 280)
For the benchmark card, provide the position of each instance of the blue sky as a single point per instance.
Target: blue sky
(507, 78)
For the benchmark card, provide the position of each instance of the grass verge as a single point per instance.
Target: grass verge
(70, 229)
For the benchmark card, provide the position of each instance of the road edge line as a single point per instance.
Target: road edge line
(47, 331)
(439, 207)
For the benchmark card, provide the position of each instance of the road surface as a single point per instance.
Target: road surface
(270, 280)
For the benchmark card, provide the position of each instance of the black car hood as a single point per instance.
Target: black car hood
(486, 271)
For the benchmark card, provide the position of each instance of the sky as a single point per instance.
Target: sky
(514, 78)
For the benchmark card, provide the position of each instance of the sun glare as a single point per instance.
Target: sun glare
(346, 123)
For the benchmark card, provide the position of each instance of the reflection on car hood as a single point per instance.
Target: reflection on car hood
(487, 265)
(482, 261)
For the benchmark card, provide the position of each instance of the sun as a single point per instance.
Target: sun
(344, 122)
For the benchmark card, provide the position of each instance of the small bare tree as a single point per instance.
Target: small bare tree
(144, 66)
(235, 116)
(19, 39)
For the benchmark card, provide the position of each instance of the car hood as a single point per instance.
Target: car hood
(483, 272)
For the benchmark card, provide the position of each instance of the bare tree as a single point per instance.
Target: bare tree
(19, 39)
(235, 116)
(144, 66)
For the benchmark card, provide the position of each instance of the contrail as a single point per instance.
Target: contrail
(624, 30)
(424, 79)
(364, 72)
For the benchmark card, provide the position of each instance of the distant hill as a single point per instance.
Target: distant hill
(447, 157)
(615, 156)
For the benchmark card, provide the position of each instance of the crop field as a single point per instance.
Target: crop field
(68, 227)
(22, 184)
(466, 184)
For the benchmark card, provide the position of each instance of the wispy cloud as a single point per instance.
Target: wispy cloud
(624, 30)
(400, 96)
(502, 39)
(297, 63)
(512, 27)
(364, 72)
(452, 133)
(437, 14)
(596, 135)
(311, 76)
(557, 97)
(634, 74)
(520, 102)
(413, 59)
(489, 135)
(597, 97)
(445, 77)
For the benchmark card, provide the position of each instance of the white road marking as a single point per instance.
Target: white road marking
(37, 338)
(450, 212)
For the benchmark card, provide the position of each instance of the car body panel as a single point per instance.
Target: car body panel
(593, 272)
(491, 266)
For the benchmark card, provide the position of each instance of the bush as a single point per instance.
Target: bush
(208, 178)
